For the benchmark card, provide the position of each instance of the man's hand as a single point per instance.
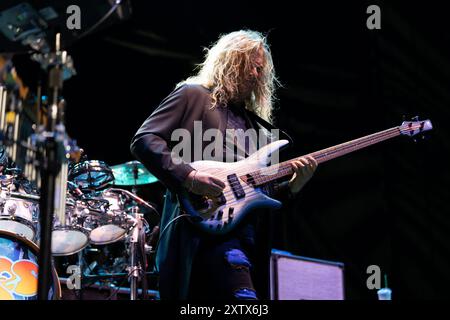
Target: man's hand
(303, 171)
(203, 184)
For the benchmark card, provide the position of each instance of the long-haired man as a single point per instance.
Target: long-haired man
(235, 81)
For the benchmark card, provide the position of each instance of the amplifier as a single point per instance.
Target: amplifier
(300, 278)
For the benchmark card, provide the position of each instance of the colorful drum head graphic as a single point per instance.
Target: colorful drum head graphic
(19, 269)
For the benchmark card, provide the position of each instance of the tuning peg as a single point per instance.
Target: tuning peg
(419, 138)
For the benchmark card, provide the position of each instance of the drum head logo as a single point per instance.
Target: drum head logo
(18, 269)
(18, 279)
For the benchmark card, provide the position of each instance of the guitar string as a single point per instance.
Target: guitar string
(286, 168)
(249, 187)
(250, 191)
(362, 143)
(334, 151)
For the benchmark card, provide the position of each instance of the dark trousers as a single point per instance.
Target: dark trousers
(222, 268)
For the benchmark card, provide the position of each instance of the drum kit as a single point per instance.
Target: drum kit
(71, 206)
(97, 213)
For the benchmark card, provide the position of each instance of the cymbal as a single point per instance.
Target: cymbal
(132, 173)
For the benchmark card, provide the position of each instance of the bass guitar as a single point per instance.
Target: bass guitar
(245, 180)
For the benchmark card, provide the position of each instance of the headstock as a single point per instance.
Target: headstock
(412, 128)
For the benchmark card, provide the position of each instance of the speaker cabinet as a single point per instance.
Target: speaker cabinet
(300, 278)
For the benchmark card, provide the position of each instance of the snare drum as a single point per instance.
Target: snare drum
(113, 224)
(73, 236)
(18, 215)
(19, 269)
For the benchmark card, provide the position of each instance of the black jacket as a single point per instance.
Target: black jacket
(152, 146)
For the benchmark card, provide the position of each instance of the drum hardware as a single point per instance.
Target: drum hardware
(10, 126)
(135, 198)
(95, 202)
(121, 222)
(134, 241)
(136, 268)
(152, 240)
(13, 171)
(3, 157)
(74, 190)
(6, 181)
(50, 141)
(115, 275)
(113, 205)
(53, 142)
(148, 249)
(24, 196)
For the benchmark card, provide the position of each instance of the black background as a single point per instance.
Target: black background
(384, 205)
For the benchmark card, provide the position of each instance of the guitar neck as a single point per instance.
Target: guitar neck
(284, 169)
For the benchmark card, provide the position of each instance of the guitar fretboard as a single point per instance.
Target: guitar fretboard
(283, 169)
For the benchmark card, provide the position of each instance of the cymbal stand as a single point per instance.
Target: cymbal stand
(79, 290)
(135, 176)
(134, 197)
(135, 268)
(52, 161)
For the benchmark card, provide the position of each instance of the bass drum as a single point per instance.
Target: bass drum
(19, 269)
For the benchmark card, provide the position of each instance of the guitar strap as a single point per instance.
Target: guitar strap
(274, 187)
(267, 125)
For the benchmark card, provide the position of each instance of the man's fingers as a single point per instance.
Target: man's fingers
(215, 193)
(303, 166)
(210, 190)
(217, 182)
(312, 161)
(296, 166)
(215, 186)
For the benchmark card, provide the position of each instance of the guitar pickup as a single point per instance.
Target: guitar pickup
(236, 186)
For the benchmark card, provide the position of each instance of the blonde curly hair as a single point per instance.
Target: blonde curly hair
(227, 63)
